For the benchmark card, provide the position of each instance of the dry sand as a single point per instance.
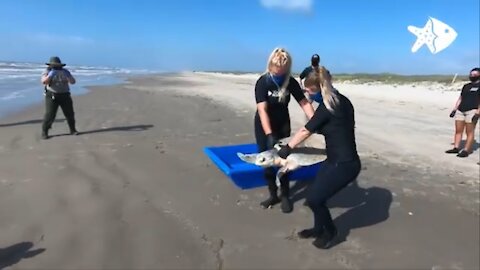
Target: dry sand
(135, 190)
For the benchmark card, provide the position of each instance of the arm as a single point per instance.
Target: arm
(261, 95)
(264, 119)
(459, 100)
(44, 78)
(299, 137)
(71, 79)
(319, 119)
(301, 77)
(301, 99)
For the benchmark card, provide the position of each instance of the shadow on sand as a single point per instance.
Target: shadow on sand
(14, 254)
(102, 130)
(367, 206)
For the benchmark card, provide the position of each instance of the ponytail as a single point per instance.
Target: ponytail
(321, 79)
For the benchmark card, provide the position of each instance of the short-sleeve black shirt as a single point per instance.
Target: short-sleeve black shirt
(470, 97)
(338, 129)
(267, 91)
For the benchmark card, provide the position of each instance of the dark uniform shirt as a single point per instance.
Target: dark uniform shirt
(470, 97)
(267, 91)
(305, 72)
(338, 129)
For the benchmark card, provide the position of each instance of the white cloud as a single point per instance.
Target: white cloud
(302, 5)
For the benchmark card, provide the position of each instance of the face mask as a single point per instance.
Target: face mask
(317, 97)
(474, 78)
(278, 79)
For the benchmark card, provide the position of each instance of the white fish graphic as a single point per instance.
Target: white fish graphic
(436, 34)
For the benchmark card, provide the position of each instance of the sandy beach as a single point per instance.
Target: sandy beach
(135, 190)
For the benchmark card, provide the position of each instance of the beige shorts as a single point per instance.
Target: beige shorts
(465, 116)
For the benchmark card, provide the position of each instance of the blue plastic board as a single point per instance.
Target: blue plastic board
(245, 175)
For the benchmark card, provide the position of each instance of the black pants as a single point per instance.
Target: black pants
(52, 101)
(331, 178)
(269, 173)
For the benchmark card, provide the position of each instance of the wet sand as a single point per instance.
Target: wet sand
(135, 191)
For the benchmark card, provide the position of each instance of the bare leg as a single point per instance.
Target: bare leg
(470, 127)
(459, 128)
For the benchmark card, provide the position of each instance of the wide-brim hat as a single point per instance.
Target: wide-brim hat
(55, 61)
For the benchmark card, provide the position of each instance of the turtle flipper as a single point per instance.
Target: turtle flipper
(249, 158)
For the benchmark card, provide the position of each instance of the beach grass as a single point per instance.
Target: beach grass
(387, 78)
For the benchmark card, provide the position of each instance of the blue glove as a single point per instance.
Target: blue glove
(52, 73)
(317, 97)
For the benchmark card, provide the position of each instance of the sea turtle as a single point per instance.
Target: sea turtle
(299, 157)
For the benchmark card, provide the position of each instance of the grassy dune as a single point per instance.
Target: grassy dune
(388, 78)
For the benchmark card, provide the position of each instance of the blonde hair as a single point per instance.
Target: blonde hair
(281, 58)
(321, 79)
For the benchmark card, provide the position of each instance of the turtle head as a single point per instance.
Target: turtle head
(263, 159)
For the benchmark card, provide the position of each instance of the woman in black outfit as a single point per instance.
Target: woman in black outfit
(272, 119)
(466, 114)
(334, 118)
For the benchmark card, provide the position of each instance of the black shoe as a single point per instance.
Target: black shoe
(74, 132)
(270, 202)
(462, 154)
(326, 240)
(287, 205)
(309, 233)
(45, 135)
(452, 151)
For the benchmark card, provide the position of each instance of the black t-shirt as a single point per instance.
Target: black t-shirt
(267, 91)
(470, 97)
(338, 129)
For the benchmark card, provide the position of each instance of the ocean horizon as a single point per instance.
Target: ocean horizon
(20, 85)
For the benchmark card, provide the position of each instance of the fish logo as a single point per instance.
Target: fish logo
(436, 34)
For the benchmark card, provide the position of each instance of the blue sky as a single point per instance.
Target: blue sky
(350, 35)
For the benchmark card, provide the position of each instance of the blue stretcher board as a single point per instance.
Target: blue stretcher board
(245, 175)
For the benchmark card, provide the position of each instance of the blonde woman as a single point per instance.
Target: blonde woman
(272, 119)
(334, 118)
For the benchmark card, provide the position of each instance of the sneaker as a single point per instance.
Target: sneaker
(452, 151)
(74, 132)
(463, 154)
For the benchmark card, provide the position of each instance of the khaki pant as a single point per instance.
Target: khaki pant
(465, 116)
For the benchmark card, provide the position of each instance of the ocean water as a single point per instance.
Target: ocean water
(20, 84)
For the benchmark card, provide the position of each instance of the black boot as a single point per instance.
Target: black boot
(71, 125)
(45, 134)
(287, 206)
(327, 238)
(310, 233)
(271, 201)
(272, 189)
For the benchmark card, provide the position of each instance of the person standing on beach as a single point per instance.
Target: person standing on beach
(335, 119)
(56, 79)
(315, 63)
(272, 119)
(466, 113)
